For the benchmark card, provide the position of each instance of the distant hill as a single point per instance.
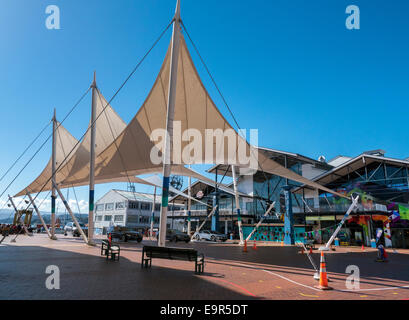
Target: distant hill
(7, 216)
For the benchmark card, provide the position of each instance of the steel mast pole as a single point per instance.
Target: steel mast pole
(189, 205)
(92, 163)
(236, 196)
(53, 182)
(153, 212)
(167, 147)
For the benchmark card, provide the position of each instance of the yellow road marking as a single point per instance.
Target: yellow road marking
(363, 296)
(394, 293)
(308, 295)
(278, 287)
(260, 281)
(243, 274)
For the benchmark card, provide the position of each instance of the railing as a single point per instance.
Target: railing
(204, 213)
(339, 208)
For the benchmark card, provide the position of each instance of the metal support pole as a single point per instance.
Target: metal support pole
(351, 207)
(92, 163)
(39, 214)
(167, 147)
(215, 218)
(236, 195)
(153, 212)
(189, 206)
(53, 182)
(71, 214)
(261, 221)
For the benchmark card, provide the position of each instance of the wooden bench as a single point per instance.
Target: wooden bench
(185, 254)
(110, 251)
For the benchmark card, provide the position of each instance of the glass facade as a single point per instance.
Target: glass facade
(383, 187)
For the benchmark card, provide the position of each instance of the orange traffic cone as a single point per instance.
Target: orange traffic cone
(310, 250)
(245, 246)
(363, 248)
(254, 245)
(323, 274)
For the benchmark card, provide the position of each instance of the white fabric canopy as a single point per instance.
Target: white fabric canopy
(108, 126)
(194, 110)
(64, 143)
(129, 154)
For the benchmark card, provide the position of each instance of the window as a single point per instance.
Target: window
(144, 219)
(109, 206)
(120, 205)
(100, 207)
(108, 217)
(133, 205)
(98, 218)
(132, 219)
(119, 218)
(145, 206)
(157, 207)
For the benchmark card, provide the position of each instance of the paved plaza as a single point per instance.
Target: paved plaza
(270, 272)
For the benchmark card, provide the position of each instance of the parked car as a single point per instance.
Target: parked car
(68, 227)
(175, 235)
(125, 234)
(210, 235)
(71, 227)
(76, 232)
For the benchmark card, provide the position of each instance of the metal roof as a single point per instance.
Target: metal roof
(135, 196)
(355, 164)
(277, 156)
(199, 185)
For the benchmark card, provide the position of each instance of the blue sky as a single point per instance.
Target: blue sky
(289, 68)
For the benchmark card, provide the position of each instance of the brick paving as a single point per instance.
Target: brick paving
(270, 272)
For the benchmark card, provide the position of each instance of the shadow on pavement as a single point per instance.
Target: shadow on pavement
(87, 275)
(287, 259)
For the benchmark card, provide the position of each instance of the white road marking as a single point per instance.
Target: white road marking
(315, 289)
(292, 281)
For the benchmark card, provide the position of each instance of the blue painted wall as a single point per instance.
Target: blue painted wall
(270, 233)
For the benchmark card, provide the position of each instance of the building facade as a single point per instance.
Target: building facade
(382, 184)
(130, 209)
(207, 196)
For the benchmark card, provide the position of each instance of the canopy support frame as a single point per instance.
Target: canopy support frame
(167, 146)
(18, 215)
(92, 164)
(53, 171)
(261, 221)
(236, 197)
(353, 205)
(203, 223)
(39, 214)
(153, 212)
(67, 206)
